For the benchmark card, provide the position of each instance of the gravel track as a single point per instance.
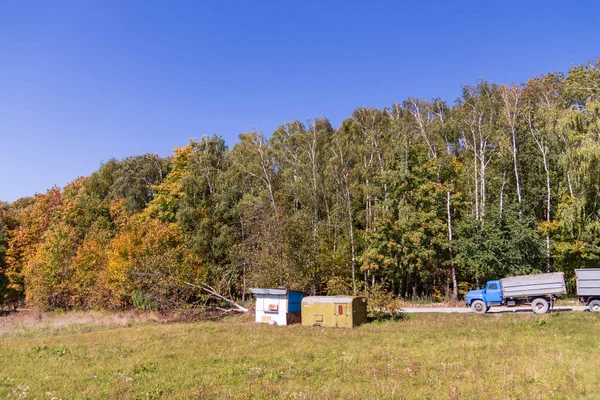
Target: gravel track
(493, 310)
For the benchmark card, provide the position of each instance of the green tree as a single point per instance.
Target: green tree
(207, 212)
(135, 178)
(3, 247)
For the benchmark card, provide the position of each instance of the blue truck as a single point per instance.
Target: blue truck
(540, 291)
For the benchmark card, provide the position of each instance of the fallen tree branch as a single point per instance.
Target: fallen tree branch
(225, 310)
(204, 287)
(213, 292)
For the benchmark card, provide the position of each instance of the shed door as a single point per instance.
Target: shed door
(342, 317)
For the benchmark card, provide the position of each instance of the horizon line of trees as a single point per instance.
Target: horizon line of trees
(419, 199)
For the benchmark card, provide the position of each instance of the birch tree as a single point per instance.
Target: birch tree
(542, 115)
(479, 114)
(512, 110)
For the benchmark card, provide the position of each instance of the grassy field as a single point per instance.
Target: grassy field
(519, 356)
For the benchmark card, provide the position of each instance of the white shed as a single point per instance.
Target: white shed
(279, 306)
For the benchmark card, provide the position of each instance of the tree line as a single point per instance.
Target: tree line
(418, 199)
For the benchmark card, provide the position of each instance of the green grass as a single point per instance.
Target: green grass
(468, 356)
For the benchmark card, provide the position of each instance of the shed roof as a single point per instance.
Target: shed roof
(279, 291)
(329, 299)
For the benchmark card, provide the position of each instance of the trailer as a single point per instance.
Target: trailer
(540, 291)
(334, 311)
(588, 287)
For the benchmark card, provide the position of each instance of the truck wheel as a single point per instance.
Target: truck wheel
(478, 306)
(594, 306)
(540, 306)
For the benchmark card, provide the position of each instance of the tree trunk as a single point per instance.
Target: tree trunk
(548, 209)
(243, 234)
(517, 179)
(453, 269)
(476, 184)
(244, 282)
(570, 185)
(513, 107)
(351, 231)
(542, 146)
(454, 283)
(502, 194)
(483, 183)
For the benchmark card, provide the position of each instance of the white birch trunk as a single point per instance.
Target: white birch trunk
(453, 268)
(502, 193)
(515, 163)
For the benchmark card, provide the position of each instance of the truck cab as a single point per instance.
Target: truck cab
(481, 300)
(540, 291)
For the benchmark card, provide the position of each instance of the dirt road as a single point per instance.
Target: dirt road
(493, 310)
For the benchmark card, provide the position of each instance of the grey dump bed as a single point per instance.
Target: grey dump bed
(534, 285)
(588, 282)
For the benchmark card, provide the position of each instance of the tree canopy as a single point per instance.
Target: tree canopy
(421, 198)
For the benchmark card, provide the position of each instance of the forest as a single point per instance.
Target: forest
(421, 199)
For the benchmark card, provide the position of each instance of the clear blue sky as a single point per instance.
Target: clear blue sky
(84, 81)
